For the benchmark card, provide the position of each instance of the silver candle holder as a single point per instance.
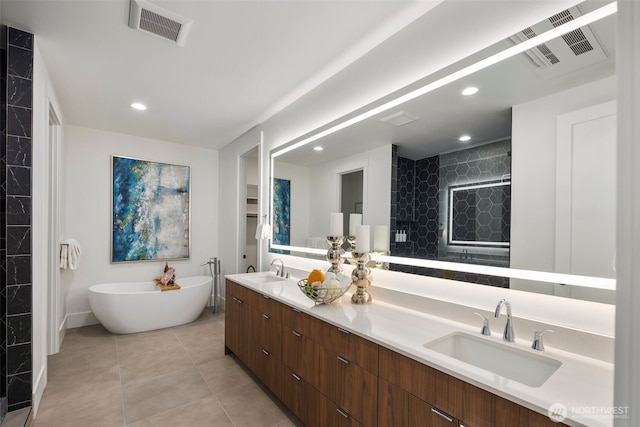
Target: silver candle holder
(361, 277)
(335, 252)
(379, 263)
(352, 248)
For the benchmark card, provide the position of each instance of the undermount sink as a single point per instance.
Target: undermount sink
(516, 364)
(264, 278)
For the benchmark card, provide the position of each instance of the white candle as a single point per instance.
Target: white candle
(354, 221)
(335, 225)
(362, 238)
(380, 238)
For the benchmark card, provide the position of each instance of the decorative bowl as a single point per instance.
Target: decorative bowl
(322, 295)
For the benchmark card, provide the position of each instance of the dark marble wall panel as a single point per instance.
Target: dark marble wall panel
(15, 217)
(18, 270)
(18, 240)
(18, 151)
(18, 210)
(19, 391)
(19, 91)
(18, 299)
(19, 359)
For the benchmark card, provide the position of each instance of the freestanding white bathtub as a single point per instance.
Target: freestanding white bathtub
(125, 308)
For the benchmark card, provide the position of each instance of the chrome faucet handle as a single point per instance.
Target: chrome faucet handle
(537, 340)
(486, 331)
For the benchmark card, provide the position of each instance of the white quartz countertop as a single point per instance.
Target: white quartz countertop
(584, 386)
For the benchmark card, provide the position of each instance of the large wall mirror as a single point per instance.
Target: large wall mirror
(512, 185)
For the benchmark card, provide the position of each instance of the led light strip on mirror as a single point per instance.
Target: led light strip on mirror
(513, 273)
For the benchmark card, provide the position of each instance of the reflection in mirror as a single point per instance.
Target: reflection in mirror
(351, 199)
(479, 214)
(541, 120)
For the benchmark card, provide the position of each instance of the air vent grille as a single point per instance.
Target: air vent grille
(147, 17)
(577, 48)
(529, 33)
(561, 18)
(398, 119)
(577, 42)
(544, 49)
(159, 25)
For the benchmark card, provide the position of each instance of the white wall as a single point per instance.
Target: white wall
(325, 188)
(301, 198)
(42, 284)
(315, 192)
(87, 157)
(627, 352)
(231, 200)
(533, 176)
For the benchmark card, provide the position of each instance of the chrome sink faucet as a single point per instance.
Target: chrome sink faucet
(279, 271)
(508, 336)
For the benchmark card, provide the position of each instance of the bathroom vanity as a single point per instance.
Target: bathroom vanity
(375, 365)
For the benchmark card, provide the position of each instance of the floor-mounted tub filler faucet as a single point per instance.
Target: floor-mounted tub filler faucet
(508, 336)
(215, 277)
(279, 271)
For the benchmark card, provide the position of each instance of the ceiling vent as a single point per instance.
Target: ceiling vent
(153, 19)
(398, 119)
(576, 49)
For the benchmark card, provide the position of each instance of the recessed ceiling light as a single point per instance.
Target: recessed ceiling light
(138, 106)
(464, 138)
(471, 90)
(318, 148)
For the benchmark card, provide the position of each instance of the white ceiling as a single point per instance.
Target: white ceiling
(444, 115)
(241, 63)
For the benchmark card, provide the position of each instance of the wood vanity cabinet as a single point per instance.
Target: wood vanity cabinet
(328, 376)
(413, 394)
(511, 414)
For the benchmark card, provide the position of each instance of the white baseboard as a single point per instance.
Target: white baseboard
(62, 331)
(84, 318)
(38, 389)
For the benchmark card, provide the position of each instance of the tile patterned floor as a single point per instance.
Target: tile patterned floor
(170, 377)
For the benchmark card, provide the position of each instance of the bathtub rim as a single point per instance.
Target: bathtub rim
(102, 288)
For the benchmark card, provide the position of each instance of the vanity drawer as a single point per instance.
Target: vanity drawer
(293, 349)
(356, 391)
(294, 319)
(242, 293)
(270, 307)
(353, 348)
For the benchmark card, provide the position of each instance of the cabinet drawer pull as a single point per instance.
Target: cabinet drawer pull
(442, 414)
(295, 310)
(265, 351)
(266, 316)
(266, 296)
(296, 377)
(344, 331)
(343, 413)
(298, 334)
(238, 300)
(343, 360)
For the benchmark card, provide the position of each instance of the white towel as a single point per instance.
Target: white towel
(70, 254)
(263, 231)
(64, 260)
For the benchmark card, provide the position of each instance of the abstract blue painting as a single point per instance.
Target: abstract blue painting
(281, 212)
(150, 210)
